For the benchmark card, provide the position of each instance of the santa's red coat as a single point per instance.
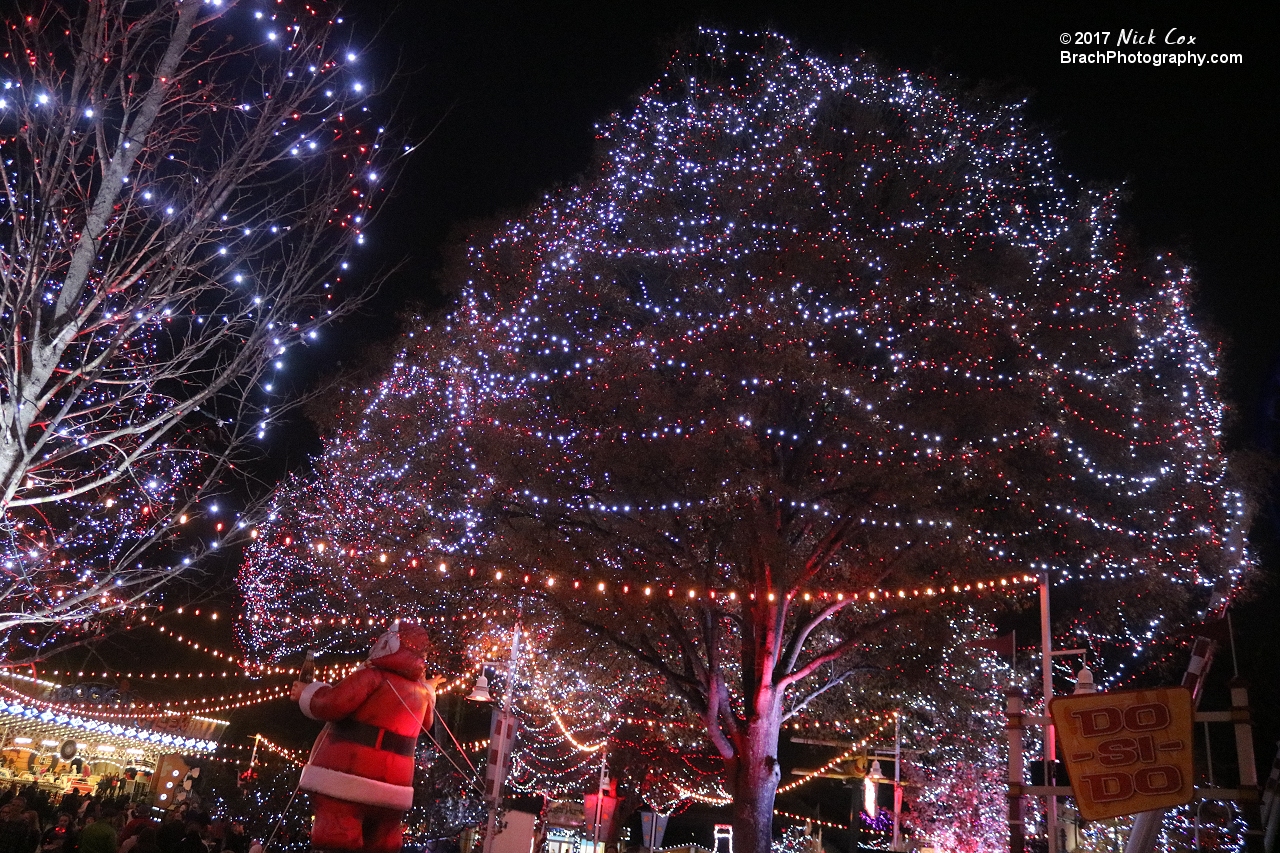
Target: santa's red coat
(365, 754)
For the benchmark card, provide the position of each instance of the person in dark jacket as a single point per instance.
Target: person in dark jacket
(236, 841)
(193, 841)
(146, 840)
(17, 834)
(13, 827)
(171, 833)
(135, 819)
(60, 837)
(71, 802)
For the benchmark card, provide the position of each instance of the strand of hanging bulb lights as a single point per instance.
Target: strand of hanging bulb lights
(593, 587)
(146, 710)
(843, 756)
(544, 774)
(717, 797)
(258, 670)
(248, 669)
(564, 733)
(250, 698)
(295, 756)
(158, 710)
(241, 762)
(267, 750)
(826, 823)
(555, 757)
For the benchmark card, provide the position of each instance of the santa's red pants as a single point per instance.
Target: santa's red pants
(341, 825)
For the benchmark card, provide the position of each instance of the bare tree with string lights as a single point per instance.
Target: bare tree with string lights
(816, 361)
(183, 184)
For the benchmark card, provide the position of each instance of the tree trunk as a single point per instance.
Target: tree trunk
(753, 776)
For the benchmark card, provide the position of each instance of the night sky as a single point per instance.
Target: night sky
(513, 92)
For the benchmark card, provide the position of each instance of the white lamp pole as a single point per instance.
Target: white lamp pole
(599, 811)
(500, 740)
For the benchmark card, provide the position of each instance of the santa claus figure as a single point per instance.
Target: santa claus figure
(360, 773)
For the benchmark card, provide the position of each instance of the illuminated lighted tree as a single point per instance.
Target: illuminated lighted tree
(181, 185)
(814, 358)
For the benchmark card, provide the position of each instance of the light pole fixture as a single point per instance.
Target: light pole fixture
(1084, 682)
(502, 736)
(480, 693)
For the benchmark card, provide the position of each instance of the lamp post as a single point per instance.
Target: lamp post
(502, 735)
(601, 786)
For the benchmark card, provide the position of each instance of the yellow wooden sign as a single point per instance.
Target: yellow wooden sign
(1128, 751)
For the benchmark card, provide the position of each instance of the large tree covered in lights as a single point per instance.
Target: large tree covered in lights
(813, 351)
(180, 185)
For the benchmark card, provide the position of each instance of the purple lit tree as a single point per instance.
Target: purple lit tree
(182, 184)
(815, 355)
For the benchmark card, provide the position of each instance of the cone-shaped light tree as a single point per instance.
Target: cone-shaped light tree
(813, 352)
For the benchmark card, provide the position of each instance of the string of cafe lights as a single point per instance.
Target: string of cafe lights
(720, 798)
(241, 763)
(566, 735)
(592, 587)
(332, 672)
(848, 753)
(826, 823)
(841, 726)
(475, 745)
(144, 710)
(267, 750)
(174, 675)
(157, 710)
(295, 756)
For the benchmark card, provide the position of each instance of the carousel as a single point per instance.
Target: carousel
(88, 738)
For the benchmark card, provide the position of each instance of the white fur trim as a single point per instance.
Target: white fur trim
(304, 701)
(388, 644)
(355, 789)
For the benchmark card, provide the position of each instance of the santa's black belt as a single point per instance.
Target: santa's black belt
(353, 731)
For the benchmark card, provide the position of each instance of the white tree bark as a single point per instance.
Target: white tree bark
(180, 185)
